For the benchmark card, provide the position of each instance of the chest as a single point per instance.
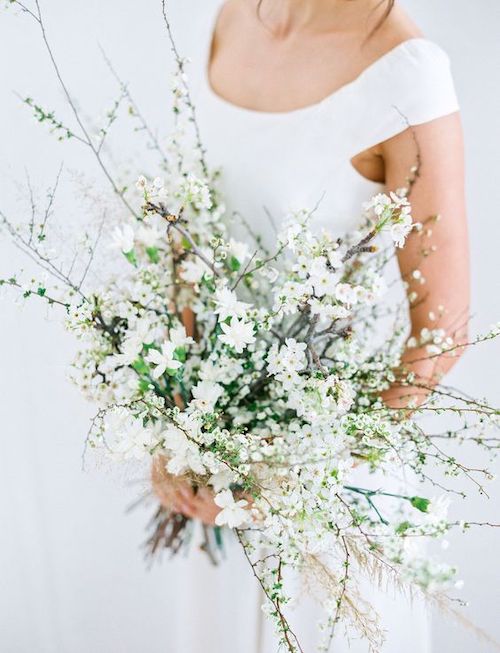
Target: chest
(253, 70)
(249, 69)
(274, 164)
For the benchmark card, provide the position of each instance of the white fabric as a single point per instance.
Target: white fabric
(276, 162)
(273, 163)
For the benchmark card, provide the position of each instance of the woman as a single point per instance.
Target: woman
(325, 102)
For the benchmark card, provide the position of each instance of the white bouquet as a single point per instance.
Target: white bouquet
(273, 398)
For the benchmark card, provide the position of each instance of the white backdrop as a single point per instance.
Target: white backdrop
(72, 578)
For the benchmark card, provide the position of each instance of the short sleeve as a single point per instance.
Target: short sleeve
(409, 86)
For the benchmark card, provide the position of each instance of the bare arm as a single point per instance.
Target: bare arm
(443, 300)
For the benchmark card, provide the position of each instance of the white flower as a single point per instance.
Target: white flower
(144, 331)
(269, 273)
(206, 394)
(437, 512)
(228, 305)
(148, 236)
(194, 191)
(125, 435)
(163, 359)
(400, 229)
(135, 443)
(130, 349)
(123, 238)
(238, 249)
(294, 353)
(226, 368)
(233, 513)
(323, 281)
(193, 271)
(302, 267)
(290, 295)
(222, 479)
(179, 338)
(346, 293)
(238, 334)
(184, 455)
(141, 182)
(328, 311)
(378, 203)
(335, 258)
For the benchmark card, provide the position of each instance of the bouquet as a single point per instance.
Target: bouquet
(273, 398)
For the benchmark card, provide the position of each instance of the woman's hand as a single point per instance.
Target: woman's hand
(175, 493)
(178, 495)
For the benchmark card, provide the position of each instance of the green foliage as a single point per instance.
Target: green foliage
(140, 366)
(153, 255)
(420, 503)
(403, 527)
(131, 257)
(234, 264)
(49, 118)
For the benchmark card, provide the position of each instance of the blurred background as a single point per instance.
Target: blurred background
(72, 575)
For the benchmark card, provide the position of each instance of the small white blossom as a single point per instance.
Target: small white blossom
(179, 338)
(228, 305)
(233, 513)
(239, 250)
(163, 359)
(206, 394)
(237, 334)
(222, 479)
(123, 238)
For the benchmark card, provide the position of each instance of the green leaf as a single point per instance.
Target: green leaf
(420, 503)
(152, 252)
(234, 264)
(143, 385)
(403, 527)
(180, 353)
(131, 257)
(140, 366)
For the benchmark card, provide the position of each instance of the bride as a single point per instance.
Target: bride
(323, 103)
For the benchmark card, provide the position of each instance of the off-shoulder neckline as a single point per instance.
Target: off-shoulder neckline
(397, 50)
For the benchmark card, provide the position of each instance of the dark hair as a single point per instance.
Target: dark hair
(390, 5)
(388, 9)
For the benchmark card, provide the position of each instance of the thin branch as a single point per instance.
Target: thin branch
(69, 99)
(187, 95)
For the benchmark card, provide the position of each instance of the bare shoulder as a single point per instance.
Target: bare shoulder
(397, 28)
(232, 12)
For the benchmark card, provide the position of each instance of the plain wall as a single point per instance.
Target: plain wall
(72, 578)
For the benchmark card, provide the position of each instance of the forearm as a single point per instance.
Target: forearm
(423, 366)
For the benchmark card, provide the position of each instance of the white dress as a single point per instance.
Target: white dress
(274, 163)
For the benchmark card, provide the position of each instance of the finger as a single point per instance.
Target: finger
(188, 510)
(205, 494)
(207, 509)
(186, 490)
(185, 503)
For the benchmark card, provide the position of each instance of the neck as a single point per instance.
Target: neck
(284, 17)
